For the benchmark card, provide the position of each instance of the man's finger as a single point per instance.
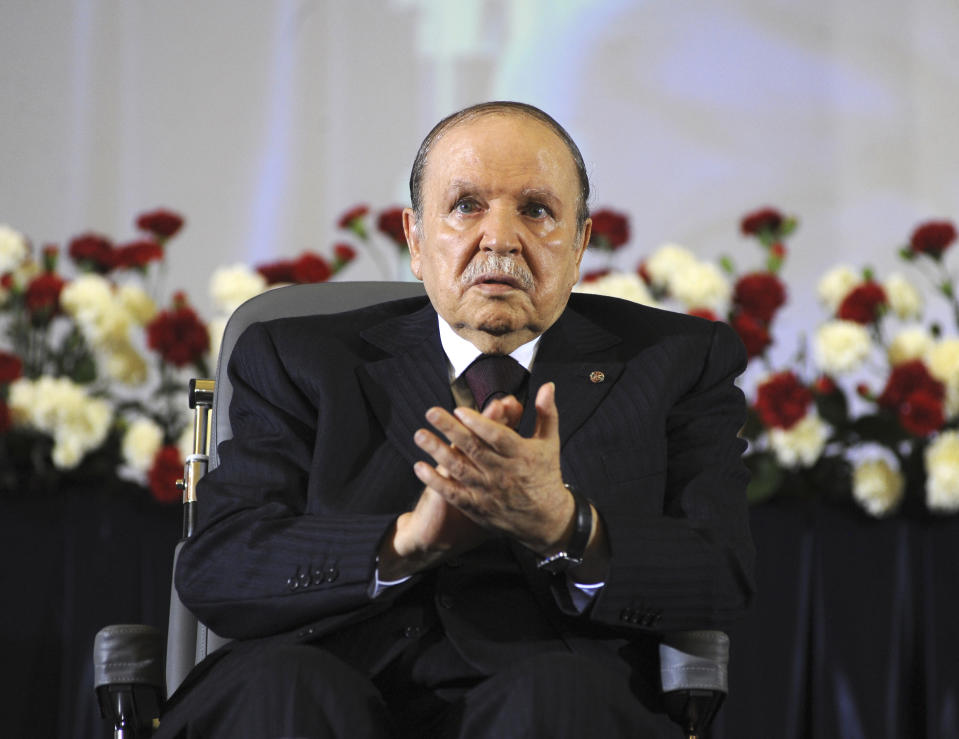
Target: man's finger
(547, 416)
(496, 436)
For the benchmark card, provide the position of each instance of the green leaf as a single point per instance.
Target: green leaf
(85, 370)
(833, 408)
(767, 476)
(727, 265)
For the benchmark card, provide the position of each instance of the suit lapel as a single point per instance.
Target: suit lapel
(580, 358)
(402, 386)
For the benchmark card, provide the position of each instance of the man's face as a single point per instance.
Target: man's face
(498, 247)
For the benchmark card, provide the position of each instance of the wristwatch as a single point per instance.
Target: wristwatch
(582, 527)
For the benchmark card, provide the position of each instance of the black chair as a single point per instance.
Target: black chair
(129, 675)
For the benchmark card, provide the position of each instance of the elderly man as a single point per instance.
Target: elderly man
(470, 516)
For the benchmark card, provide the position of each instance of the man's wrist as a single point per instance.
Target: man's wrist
(573, 551)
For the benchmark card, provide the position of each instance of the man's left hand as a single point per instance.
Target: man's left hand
(498, 478)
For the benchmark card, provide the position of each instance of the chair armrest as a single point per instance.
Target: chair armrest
(128, 676)
(694, 660)
(692, 668)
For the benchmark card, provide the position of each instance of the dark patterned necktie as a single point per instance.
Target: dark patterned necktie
(494, 376)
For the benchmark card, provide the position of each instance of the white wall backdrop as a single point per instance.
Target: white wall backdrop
(262, 121)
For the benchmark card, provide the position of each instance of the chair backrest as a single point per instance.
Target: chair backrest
(189, 641)
(289, 301)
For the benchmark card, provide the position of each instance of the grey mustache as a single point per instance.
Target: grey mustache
(498, 264)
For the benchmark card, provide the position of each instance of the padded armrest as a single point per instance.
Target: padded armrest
(694, 660)
(128, 653)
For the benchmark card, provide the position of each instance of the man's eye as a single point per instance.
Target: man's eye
(537, 210)
(465, 206)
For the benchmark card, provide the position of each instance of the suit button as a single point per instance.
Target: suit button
(647, 620)
(626, 615)
(331, 574)
(292, 583)
(318, 575)
(411, 632)
(445, 601)
(304, 579)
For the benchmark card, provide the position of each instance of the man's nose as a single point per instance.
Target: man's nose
(501, 232)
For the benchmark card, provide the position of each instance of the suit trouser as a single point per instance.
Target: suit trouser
(300, 690)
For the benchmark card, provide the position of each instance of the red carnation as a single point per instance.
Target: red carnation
(704, 313)
(863, 304)
(610, 229)
(595, 275)
(344, 253)
(161, 223)
(42, 297)
(754, 335)
(762, 221)
(760, 294)
(138, 254)
(166, 470)
(11, 367)
(276, 272)
(353, 214)
(5, 420)
(922, 413)
(178, 334)
(932, 238)
(311, 268)
(904, 380)
(824, 385)
(390, 223)
(91, 251)
(782, 400)
(643, 271)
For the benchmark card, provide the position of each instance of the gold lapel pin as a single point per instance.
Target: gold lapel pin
(596, 376)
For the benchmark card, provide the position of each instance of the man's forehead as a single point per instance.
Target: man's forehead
(516, 146)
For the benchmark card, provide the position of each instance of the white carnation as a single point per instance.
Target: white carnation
(904, 299)
(841, 346)
(13, 248)
(909, 344)
(126, 365)
(141, 442)
(701, 285)
(62, 409)
(666, 262)
(877, 486)
(801, 445)
(624, 285)
(232, 286)
(836, 284)
(137, 303)
(87, 294)
(942, 473)
(942, 360)
(68, 450)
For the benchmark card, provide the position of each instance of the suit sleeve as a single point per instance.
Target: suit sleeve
(259, 563)
(692, 566)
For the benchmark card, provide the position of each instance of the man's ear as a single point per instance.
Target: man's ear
(412, 231)
(582, 244)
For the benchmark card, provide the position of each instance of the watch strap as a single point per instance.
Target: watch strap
(575, 550)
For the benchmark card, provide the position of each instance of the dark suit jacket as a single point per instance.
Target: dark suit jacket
(323, 413)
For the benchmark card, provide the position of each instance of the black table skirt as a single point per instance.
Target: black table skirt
(853, 633)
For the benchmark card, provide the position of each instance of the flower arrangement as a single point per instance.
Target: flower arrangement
(870, 416)
(93, 372)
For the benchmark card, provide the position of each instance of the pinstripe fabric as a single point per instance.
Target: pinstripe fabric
(324, 412)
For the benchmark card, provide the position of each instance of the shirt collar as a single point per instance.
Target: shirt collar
(461, 353)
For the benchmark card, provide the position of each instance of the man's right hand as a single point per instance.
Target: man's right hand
(435, 530)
